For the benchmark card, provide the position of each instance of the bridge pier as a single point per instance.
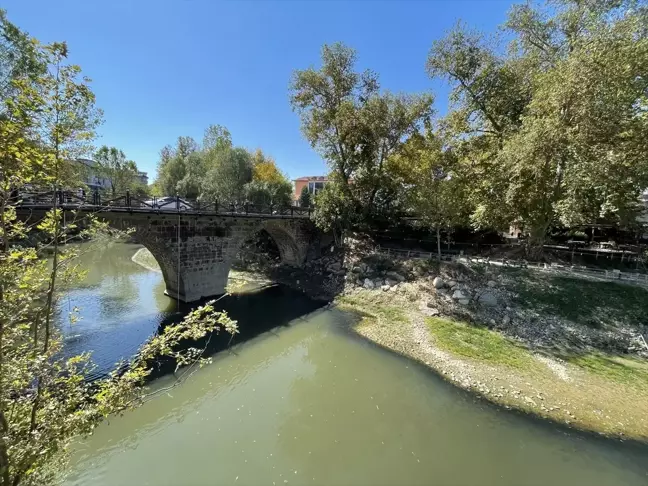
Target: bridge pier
(195, 269)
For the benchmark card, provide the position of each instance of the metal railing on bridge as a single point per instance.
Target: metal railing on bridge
(96, 201)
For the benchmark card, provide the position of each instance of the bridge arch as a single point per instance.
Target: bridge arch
(195, 254)
(289, 241)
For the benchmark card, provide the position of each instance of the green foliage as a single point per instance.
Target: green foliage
(436, 187)
(48, 118)
(217, 138)
(218, 171)
(173, 167)
(195, 167)
(266, 193)
(477, 343)
(229, 171)
(122, 173)
(334, 207)
(594, 304)
(305, 198)
(553, 131)
(268, 184)
(356, 128)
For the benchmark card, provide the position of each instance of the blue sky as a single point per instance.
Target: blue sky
(161, 69)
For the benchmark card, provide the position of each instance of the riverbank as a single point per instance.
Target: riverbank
(594, 391)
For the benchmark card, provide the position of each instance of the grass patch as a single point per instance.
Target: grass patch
(477, 343)
(590, 303)
(615, 368)
(371, 305)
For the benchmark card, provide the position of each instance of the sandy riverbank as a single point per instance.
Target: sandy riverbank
(501, 370)
(144, 258)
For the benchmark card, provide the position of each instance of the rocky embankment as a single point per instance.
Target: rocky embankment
(491, 296)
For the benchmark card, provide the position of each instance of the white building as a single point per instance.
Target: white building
(90, 175)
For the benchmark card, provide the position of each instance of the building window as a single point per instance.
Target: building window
(314, 187)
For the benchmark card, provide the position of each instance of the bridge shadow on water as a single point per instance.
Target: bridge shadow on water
(256, 311)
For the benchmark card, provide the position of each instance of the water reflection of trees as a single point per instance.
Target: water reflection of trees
(108, 259)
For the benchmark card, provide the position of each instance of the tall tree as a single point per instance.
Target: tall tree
(195, 168)
(553, 131)
(268, 185)
(305, 198)
(121, 172)
(69, 117)
(229, 171)
(22, 67)
(173, 166)
(356, 128)
(217, 137)
(45, 401)
(435, 188)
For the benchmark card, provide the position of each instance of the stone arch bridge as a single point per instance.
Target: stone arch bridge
(195, 247)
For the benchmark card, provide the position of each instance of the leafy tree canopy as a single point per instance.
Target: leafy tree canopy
(553, 130)
(356, 127)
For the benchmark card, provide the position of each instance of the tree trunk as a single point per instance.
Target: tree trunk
(438, 237)
(536, 240)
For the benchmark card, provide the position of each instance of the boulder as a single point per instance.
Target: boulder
(390, 282)
(489, 298)
(460, 295)
(452, 284)
(396, 276)
(334, 267)
(506, 320)
(431, 312)
(368, 283)
(379, 282)
(464, 301)
(492, 283)
(438, 283)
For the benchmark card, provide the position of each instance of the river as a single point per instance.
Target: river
(299, 399)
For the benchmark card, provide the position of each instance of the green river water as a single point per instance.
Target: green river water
(299, 399)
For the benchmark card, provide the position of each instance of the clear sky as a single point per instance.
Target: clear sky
(162, 68)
